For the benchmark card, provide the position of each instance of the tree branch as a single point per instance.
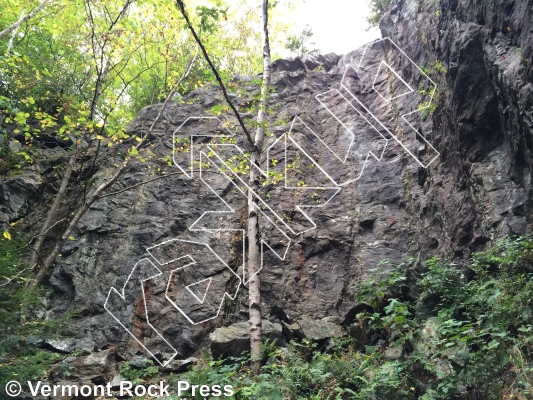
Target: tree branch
(15, 277)
(43, 272)
(154, 179)
(23, 19)
(181, 7)
(140, 184)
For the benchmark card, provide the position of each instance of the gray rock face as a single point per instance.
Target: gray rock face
(16, 195)
(140, 362)
(85, 346)
(15, 145)
(180, 365)
(314, 329)
(61, 346)
(479, 187)
(66, 346)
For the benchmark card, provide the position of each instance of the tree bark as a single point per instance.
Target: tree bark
(254, 250)
(103, 66)
(36, 256)
(103, 71)
(48, 263)
(23, 19)
(49, 260)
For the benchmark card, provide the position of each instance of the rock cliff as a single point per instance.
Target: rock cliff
(476, 136)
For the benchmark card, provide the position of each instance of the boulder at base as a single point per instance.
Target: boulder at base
(234, 340)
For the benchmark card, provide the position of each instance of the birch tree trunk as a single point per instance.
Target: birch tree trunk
(23, 19)
(254, 250)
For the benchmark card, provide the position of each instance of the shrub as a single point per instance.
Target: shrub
(466, 334)
(9, 159)
(18, 359)
(378, 8)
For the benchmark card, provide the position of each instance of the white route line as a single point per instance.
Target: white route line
(263, 242)
(122, 296)
(221, 165)
(359, 70)
(200, 300)
(397, 76)
(226, 294)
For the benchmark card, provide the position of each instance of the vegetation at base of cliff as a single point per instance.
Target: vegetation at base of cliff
(136, 375)
(20, 360)
(461, 333)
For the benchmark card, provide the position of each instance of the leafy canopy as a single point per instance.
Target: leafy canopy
(87, 67)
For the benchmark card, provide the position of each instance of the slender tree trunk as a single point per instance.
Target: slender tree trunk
(36, 255)
(254, 250)
(103, 67)
(24, 19)
(103, 72)
(47, 264)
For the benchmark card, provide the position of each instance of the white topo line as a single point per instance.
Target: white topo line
(215, 159)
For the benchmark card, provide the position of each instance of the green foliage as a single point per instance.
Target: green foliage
(137, 375)
(300, 45)
(9, 159)
(11, 258)
(84, 69)
(439, 67)
(211, 373)
(466, 334)
(18, 359)
(378, 8)
(427, 108)
(428, 103)
(471, 320)
(434, 71)
(385, 282)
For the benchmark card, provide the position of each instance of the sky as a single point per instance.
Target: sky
(338, 26)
